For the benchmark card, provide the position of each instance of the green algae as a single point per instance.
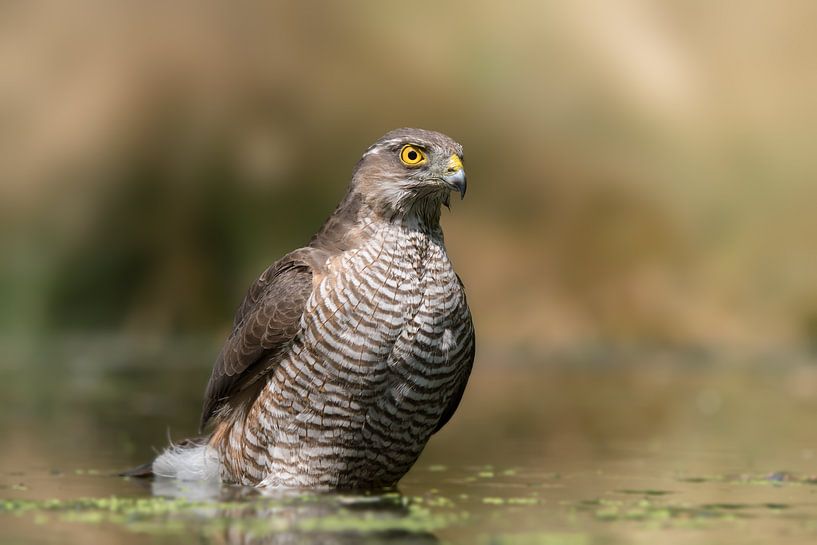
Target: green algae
(775, 479)
(302, 514)
(654, 512)
(419, 519)
(645, 492)
(490, 500)
(126, 506)
(252, 514)
(524, 501)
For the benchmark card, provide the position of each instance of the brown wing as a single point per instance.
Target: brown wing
(265, 324)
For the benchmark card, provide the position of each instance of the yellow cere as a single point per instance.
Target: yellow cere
(412, 155)
(454, 163)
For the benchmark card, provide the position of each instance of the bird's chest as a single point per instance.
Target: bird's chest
(389, 306)
(384, 336)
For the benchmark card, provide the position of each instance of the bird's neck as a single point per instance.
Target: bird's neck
(355, 220)
(425, 212)
(419, 217)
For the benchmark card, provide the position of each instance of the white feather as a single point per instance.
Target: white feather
(197, 463)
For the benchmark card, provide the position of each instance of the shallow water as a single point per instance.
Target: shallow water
(591, 446)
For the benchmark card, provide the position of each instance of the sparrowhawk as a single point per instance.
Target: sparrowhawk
(346, 355)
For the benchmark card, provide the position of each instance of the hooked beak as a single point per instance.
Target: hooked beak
(455, 176)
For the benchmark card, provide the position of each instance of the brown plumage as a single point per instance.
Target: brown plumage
(347, 354)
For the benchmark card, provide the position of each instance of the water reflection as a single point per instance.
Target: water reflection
(571, 450)
(238, 515)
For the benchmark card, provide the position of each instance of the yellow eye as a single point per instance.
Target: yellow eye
(412, 156)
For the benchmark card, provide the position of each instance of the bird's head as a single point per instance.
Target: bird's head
(410, 171)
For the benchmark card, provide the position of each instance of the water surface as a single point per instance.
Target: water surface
(588, 446)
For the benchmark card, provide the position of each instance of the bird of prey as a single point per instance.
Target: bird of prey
(347, 354)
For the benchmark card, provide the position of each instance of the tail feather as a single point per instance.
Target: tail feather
(143, 471)
(189, 461)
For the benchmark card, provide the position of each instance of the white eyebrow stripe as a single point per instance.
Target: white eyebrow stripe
(377, 148)
(390, 142)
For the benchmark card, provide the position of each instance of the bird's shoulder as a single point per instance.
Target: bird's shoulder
(277, 280)
(265, 323)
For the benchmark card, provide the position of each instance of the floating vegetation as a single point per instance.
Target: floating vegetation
(645, 492)
(777, 478)
(673, 514)
(308, 514)
(493, 501)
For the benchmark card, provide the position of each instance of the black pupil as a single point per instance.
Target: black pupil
(412, 155)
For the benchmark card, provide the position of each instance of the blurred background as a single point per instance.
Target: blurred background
(639, 223)
(639, 172)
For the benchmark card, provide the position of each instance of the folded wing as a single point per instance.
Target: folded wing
(265, 325)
